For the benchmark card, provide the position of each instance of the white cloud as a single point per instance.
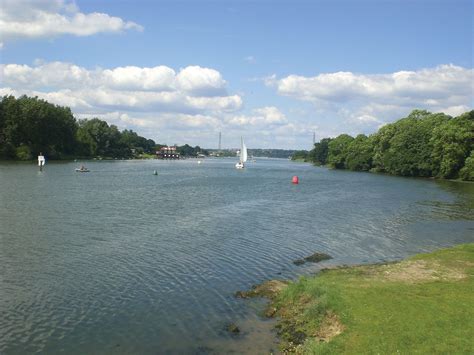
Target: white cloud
(346, 102)
(271, 115)
(446, 87)
(455, 110)
(201, 81)
(160, 78)
(192, 90)
(265, 116)
(52, 18)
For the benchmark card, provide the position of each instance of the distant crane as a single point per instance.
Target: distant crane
(220, 141)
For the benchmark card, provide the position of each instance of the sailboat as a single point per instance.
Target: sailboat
(243, 155)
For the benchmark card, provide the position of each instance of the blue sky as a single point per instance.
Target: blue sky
(272, 71)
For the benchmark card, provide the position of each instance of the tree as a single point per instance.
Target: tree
(360, 153)
(188, 151)
(452, 142)
(97, 138)
(467, 172)
(319, 154)
(140, 144)
(30, 125)
(300, 155)
(9, 126)
(338, 149)
(404, 147)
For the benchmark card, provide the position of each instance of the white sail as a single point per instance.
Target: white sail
(243, 154)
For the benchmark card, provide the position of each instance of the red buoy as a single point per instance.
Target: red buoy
(295, 180)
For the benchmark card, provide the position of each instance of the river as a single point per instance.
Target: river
(119, 260)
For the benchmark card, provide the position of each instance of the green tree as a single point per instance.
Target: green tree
(408, 151)
(300, 155)
(91, 136)
(452, 142)
(381, 144)
(338, 149)
(30, 125)
(140, 144)
(360, 153)
(9, 126)
(319, 154)
(467, 172)
(97, 138)
(188, 151)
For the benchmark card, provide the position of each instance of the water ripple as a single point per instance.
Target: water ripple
(121, 261)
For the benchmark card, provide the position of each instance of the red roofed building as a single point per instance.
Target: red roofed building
(167, 153)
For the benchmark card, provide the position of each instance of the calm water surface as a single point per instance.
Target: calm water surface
(121, 261)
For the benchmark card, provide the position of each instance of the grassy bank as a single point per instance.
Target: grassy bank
(424, 304)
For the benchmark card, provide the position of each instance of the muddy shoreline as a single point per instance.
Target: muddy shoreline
(289, 336)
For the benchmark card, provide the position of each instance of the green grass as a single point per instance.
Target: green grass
(423, 305)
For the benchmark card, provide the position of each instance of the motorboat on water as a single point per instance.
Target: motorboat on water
(82, 169)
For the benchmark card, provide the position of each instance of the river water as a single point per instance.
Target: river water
(120, 261)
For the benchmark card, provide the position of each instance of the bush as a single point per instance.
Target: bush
(467, 172)
(23, 152)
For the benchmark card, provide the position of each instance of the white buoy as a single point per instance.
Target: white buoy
(199, 162)
(41, 161)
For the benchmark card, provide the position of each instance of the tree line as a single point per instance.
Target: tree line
(422, 144)
(29, 125)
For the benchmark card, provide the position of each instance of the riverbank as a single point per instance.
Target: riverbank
(423, 304)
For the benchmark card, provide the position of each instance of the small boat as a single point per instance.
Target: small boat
(82, 169)
(243, 155)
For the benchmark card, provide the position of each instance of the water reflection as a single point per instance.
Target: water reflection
(458, 205)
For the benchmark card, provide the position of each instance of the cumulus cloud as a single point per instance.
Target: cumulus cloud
(201, 81)
(446, 88)
(52, 18)
(192, 90)
(160, 78)
(264, 117)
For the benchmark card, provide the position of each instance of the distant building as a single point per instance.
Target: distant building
(167, 153)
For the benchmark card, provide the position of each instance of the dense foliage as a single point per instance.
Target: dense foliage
(29, 126)
(319, 154)
(188, 151)
(421, 144)
(271, 153)
(300, 155)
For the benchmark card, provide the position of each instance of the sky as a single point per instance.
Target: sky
(274, 72)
